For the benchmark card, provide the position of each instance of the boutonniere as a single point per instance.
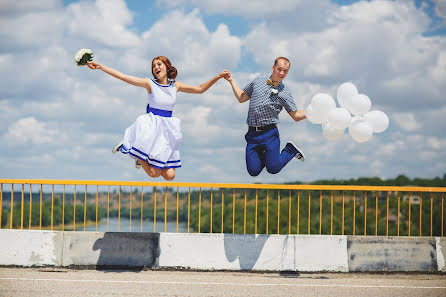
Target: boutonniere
(83, 56)
(274, 91)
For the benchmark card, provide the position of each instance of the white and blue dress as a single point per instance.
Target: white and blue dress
(155, 136)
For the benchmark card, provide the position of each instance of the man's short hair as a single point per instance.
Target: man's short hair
(281, 58)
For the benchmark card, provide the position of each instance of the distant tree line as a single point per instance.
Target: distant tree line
(235, 220)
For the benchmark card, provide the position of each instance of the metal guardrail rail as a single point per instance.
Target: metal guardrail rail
(288, 202)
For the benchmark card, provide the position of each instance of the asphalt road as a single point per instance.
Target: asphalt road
(70, 282)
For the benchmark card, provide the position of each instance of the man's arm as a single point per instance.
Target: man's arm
(298, 115)
(239, 94)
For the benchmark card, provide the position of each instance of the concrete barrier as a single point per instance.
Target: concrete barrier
(30, 248)
(312, 253)
(392, 254)
(441, 253)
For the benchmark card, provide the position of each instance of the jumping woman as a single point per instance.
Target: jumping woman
(153, 140)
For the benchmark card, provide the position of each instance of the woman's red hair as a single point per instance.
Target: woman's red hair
(171, 71)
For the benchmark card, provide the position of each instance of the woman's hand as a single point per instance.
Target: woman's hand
(228, 77)
(224, 73)
(94, 65)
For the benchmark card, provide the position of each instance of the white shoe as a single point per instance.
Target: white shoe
(117, 147)
(300, 153)
(137, 164)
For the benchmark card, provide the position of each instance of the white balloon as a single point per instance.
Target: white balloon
(355, 119)
(378, 120)
(345, 93)
(313, 116)
(330, 133)
(339, 118)
(360, 104)
(322, 103)
(361, 131)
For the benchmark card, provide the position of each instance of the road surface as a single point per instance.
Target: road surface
(71, 282)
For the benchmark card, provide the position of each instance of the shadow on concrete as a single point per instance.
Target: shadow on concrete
(247, 250)
(128, 251)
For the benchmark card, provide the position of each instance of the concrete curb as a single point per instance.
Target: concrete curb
(392, 254)
(310, 253)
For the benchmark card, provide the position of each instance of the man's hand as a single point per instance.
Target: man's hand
(224, 73)
(228, 77)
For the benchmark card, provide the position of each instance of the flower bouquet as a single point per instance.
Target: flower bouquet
(83, 56)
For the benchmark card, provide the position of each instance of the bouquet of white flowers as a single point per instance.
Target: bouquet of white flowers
(83, 56)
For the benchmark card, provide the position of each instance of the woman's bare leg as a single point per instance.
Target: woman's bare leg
(150, 170)
(168, 173)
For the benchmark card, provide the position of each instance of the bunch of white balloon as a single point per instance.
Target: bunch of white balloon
(334, 120)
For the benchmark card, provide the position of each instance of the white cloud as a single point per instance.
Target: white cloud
(378, 45)
(406, 121)
(251, 8)
(104, 21)
(191, 47)
(29, 28)
(440, 8)
(31, 131)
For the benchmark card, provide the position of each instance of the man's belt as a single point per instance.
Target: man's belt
(263, 128)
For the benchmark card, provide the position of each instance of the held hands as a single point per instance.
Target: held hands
(224, 73)
(228, 77)
(94, 65)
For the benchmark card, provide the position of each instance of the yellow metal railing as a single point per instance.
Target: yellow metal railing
(400, 209)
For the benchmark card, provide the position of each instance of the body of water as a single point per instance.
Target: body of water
(124, 226)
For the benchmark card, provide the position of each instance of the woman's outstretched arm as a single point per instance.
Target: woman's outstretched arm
(136, 81)
(181, 87)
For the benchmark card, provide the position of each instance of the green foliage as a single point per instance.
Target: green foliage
(5, 217)
(58, 212)
(241, 216)
(322, 221)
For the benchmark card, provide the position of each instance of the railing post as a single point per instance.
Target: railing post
(255, 224)
(74, 208)
(331, 214)
(165, 210)
(154, 211)
(289, 215)
(376, 213)
(22, 206)
(108, 206)
(365, 213)
(222, 209)
(278, 211)
(244, 216)
(12, 206)
(97, 205)
(63, 208)
(309, 212)
(188, 212)
(298, 210)
(409, 214)
(267, 210)
(178, 197)
(212, 206)
(343, 215)
(1, 204)
(85, 207)
(199, 213)
(320, 212)
(142, 206)
(354, 211)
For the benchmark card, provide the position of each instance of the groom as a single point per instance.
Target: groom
(268, 95)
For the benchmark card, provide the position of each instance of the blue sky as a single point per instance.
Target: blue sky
(61, 121)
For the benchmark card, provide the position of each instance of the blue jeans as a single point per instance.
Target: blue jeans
(263, 150)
